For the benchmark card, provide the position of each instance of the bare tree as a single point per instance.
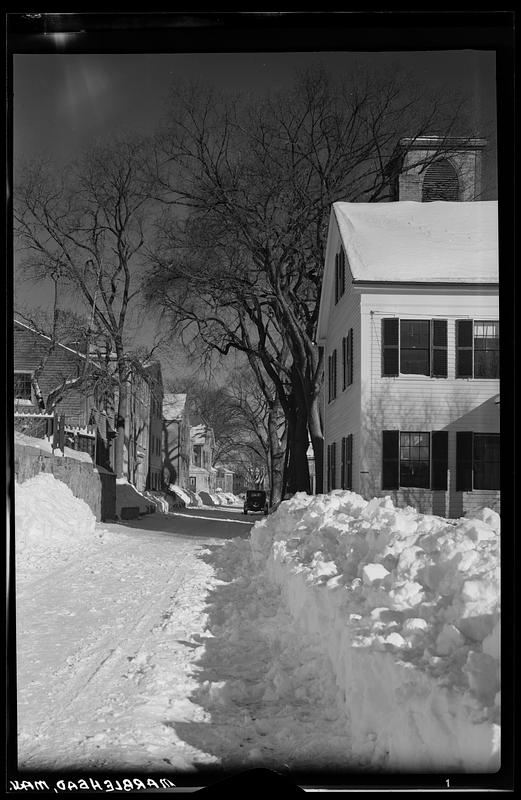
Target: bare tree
(86, 227)
(250, 188)
(80, 372)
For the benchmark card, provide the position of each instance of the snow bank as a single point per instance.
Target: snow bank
(158, 500)
(46, 446)
(207, 498)
(195, 500)
(128, 496)
(51, 525)
(406, 607)
(219, 499)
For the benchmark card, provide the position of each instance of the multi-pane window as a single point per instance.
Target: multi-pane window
(347, 359)
(486, 349)
(332, 376)
(477, 461)
(22, 386)
(414, 460)
(414, 347)
(477, 348)
(486, 461)
(197, 455)
(340, 274)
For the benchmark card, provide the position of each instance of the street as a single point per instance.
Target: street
(105, 647)
(201, 523)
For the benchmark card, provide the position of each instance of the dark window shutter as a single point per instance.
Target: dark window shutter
(390, 347)
(439, 348)
(349, 462)
(334, 375)
(440, 445)
(333, 465)
(390, 459)
(350, 356)
(464, 328)
(328, 467)
(342, 271)
(344, 362)
(329, 372)
(336, 278)
(343, 464)
(464, 461)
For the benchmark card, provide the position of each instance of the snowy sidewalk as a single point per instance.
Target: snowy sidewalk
(163, 654)
(105, 648)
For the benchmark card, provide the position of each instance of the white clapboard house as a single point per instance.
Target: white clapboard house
(409, 323)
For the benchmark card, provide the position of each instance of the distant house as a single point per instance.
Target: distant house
(61, 366)
(137, 428)
(47, 368)
(175, 441)
(224, 478)
(202, 474)
(155, 454)
(409, 323)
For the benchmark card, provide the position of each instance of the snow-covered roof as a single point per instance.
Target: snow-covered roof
(226, 470)
(197, 433)
(173, 405)
(438, 242)
(58, 344)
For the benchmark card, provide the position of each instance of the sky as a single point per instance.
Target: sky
(64, 101)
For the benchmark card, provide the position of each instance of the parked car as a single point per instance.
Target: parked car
(255, 501)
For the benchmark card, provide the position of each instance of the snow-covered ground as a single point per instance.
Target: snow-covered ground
(341, 634)
(108, 626)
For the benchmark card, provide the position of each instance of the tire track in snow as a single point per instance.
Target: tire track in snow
(92, 675)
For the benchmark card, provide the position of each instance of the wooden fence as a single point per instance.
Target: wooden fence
(54, 427)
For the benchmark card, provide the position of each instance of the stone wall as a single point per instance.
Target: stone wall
(82, 478)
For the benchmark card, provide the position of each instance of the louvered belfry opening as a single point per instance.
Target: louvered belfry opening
(440, 182)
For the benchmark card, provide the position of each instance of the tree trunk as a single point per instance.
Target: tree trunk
(316, 434)
(298, 469)
(276, 457)
(119, 442)
(298, 442)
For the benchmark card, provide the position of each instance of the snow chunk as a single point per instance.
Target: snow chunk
(373, 572)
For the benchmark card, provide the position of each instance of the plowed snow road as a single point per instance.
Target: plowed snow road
(105, 646)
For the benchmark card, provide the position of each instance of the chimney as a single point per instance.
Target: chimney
(438, 168)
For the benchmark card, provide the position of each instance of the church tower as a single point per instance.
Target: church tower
(438, 168)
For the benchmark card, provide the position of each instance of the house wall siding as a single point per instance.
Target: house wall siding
(137, 426)
(342, 415)
(176, 449)
(29, 348)
(421, 403)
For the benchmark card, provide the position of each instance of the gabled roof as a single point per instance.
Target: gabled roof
(439, 242)
(173, 406)
(413, 243)
(200, 434)
(77, 353)
(153, 369)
